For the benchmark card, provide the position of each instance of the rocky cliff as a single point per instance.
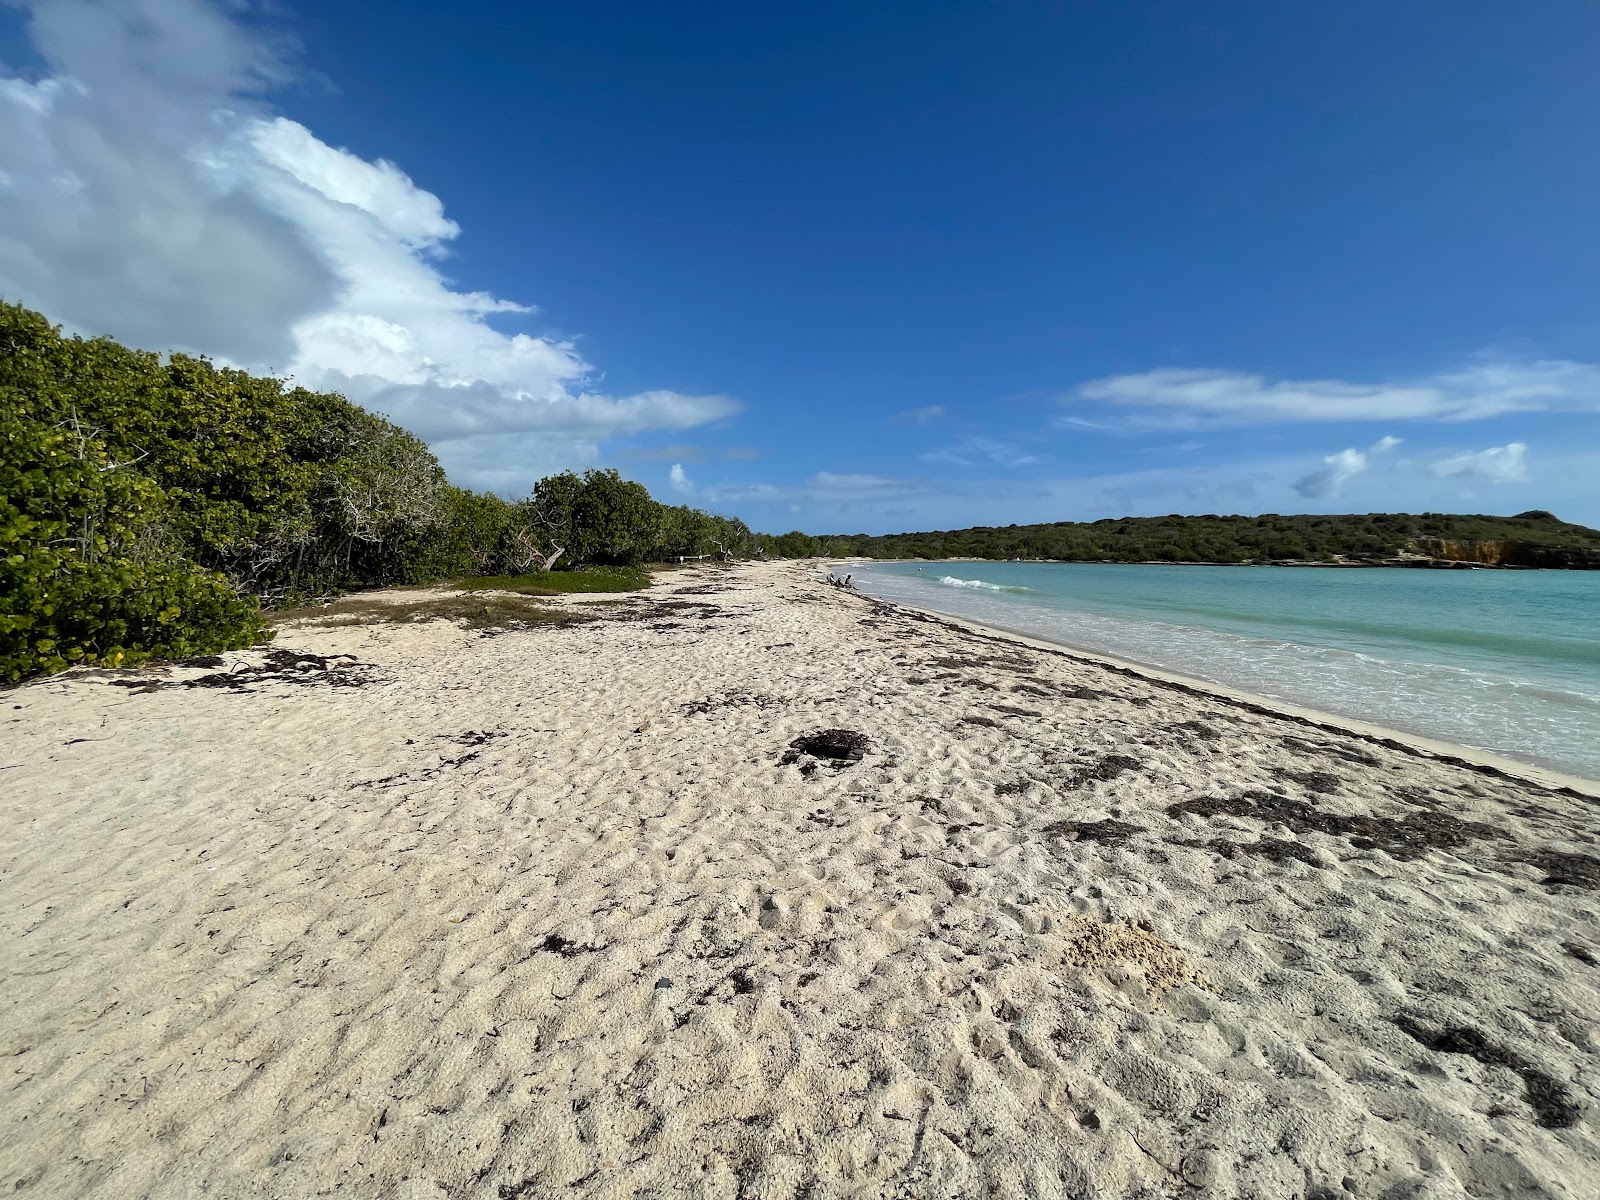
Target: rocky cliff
(1508, 554)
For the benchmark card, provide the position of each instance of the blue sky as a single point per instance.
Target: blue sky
(861, 266)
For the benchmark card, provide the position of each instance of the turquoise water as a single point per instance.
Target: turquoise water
(1505, 661)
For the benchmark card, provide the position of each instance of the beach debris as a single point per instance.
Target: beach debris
(209, 661)
(1104, 771)
(1278, 850)
(1078, 692)
(473, 737)
(1198, 730)
(1352, 754)
(951, 663)
(1563, 870)
(1553, 1106)
(489, 615)
(1584, 954)
(555, 943)
(1111, 832)
(640, 609)
(1011, 710)
(975, 719)
(278, 666)
(1404, 838)
(840, 748)
(1324, 783)
(731, 698)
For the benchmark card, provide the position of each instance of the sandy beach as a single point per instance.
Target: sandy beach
(427, 911)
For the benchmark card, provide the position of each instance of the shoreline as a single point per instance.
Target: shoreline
(1419, 743)
(1416, 743)
(1398, 564)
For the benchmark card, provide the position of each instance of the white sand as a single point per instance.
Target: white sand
(306, 940)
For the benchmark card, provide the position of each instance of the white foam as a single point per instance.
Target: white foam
(952, 581)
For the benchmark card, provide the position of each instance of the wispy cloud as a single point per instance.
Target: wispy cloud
(825, 487)
(1497, 464)
(1171, 397)
(981, 452)
(920, 416)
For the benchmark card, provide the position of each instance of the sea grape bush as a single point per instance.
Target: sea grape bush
(152, 507)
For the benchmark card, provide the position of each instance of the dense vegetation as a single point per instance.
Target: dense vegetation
(1530, 539)
(150, 506)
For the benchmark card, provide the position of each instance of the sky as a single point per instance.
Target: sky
(862, 266)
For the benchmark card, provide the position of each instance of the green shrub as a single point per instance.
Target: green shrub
(150, 506)
(88, 569)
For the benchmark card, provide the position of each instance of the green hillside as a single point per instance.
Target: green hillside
(1534, 539)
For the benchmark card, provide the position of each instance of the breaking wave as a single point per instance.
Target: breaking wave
(952, 581)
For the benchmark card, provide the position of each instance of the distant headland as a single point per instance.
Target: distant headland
(1534, 539)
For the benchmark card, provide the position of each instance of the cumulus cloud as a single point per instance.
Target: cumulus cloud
(1339, 468)
(1497, 464)
(679, 480)
(1203, 398)
(147, 192)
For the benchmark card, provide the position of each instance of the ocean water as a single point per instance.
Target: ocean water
(1504, 661)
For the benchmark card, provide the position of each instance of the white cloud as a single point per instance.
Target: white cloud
(981, 451)
(148, 194)
(679, 480)
(1339, 468)
(1497, 464)
(823, 487)
(1201, 398)
(857, 485)
(920, 416)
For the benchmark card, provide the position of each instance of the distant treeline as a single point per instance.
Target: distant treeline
(150, 506)
(1528, 539)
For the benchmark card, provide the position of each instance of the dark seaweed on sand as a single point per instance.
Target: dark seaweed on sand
(1552, 1104)
(1110, 832)
(1409, 837)
(1108, 768)
(1564, 870)
(278, 666)
(839, 747)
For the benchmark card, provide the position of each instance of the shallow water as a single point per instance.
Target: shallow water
(1505, 661)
